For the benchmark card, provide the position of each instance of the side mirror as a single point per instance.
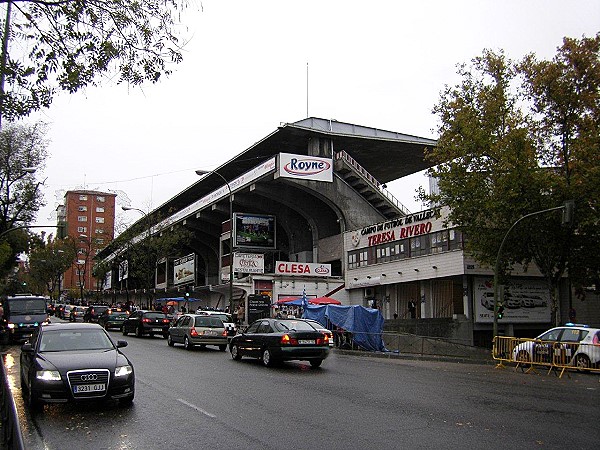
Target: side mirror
(121, 344)
(27, 347)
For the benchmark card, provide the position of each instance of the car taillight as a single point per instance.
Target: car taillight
(224, 333)
(166, 320)
(287, 340)
(193, 332)
(145, 320)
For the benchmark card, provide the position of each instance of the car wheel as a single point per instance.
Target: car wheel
(139, 332)
(523, 357)
(222, 348)
(267, 358)
(170, 342)
(314, 363)
(582, 362)
(165, 335)
(151, 335)
(32, 401)
(187, 344)
(124, 330)
(235, 353)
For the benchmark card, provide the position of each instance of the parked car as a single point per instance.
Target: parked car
(111, 319)
(196, 329)
(76, 314)
(75, 362)
(143, 322)
(275, 340)
(317, 326)
(225, 317)
(579, 343)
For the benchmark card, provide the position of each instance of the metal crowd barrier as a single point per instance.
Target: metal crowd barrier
(533, 354)
(11, 431)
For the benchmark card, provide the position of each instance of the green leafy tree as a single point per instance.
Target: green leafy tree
(48, 262)
(506, 150)
(73, 44)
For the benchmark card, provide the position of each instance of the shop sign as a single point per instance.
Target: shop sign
(249, 263)
(302, 269)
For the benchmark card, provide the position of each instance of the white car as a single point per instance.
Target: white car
(573, 344)
(317, 326)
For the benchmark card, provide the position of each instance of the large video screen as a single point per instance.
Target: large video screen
(254, 230)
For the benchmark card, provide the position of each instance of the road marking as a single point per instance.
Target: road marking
(200, 410)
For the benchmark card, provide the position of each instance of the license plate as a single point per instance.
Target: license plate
(305, 341)
(89, 388)
(157, 329)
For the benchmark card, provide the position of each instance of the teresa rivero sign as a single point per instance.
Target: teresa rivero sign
(302, 269)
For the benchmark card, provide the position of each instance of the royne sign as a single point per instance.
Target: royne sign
(305, 167)
(249, 263)
(305, 269)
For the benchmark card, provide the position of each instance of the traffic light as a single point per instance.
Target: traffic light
(567, 213)
(187, 294)
(500, 312)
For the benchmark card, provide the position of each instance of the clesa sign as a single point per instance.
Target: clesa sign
(304, 269)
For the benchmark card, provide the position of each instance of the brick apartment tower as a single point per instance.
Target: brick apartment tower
(89, 218)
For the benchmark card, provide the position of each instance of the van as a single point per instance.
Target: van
(23, 314)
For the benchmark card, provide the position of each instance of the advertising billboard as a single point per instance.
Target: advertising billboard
(305, 167)
(184, 269)
(249, 263)
(525, 301)
(254, 230)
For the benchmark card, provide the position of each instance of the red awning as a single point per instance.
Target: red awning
(324, 301)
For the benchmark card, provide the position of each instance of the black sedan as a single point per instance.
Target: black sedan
(143, 322)
(111, 318)
(75, 362)
(275, 340)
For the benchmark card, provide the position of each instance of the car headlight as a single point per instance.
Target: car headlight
(11, 325)
(48, 375)
(123, 371)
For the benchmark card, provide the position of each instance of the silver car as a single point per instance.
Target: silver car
(195, 329)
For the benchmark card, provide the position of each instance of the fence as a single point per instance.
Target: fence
(533, 354)
(11, 431)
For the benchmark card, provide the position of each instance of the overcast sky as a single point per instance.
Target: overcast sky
(381, 64)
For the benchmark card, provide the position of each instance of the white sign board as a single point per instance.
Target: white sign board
(249, 263)
(123, 270)
(302, 269)
(305, 167)
(184, 269)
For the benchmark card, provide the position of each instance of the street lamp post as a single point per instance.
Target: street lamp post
(204, 172)
(148, 254)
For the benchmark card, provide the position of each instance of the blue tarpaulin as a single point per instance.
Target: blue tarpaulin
(365, 324)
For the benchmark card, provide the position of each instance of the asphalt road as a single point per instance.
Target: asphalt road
(203, 399)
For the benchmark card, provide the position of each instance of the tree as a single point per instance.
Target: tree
(22, 150)
(510, 145)
(72, 44)
(49, 261)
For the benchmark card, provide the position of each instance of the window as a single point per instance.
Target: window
(83, 197)
(82, 218)
(100, 209)
(81, 229)
(100, 198)
(99, 219)
(81, 251)
(99, 241)
(82, 208)
(99, 230)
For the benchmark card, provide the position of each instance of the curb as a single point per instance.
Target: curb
(418, 357)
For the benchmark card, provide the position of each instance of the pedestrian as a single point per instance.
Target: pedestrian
(241, 312)
(395, 316)
(412, 308)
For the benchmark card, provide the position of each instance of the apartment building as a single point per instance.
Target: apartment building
(89, 218)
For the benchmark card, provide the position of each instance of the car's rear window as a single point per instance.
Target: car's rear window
(293, 325)
(155, 315)
(209, 322)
